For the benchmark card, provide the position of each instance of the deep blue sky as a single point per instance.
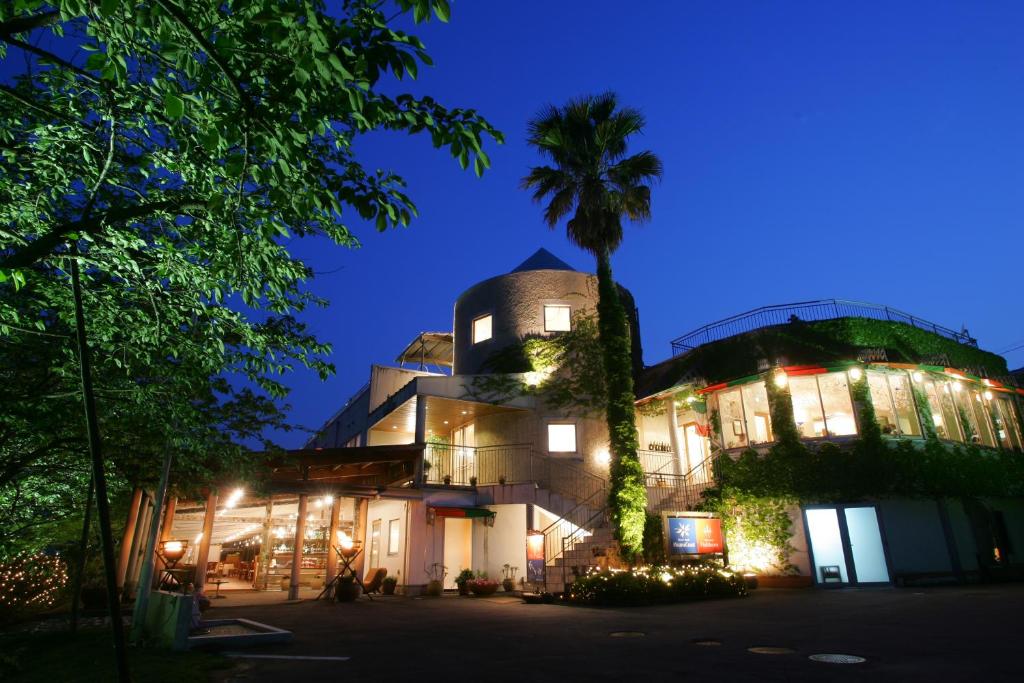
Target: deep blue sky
(870, 151)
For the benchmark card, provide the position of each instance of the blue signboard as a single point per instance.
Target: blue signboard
(682, 534)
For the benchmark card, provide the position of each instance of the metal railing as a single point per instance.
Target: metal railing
(577, 523)
(599, 518)
(825, 309)
(679, 490)
(657, 461)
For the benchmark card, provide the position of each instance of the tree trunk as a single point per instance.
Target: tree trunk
(627, 497)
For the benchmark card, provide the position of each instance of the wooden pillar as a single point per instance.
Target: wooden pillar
(166, 526)
(332, 540)
(681, 466)
(144, 519)
(359, 532)
(128, 537)
(203, 552)
(300, 537)
(266, 548)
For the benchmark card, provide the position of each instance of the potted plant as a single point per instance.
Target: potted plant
(472, 481)
(463, 579)
(436, 584)
(387, 586)
(508, 583)
(482, 586)
(347, 589)
(447, 480)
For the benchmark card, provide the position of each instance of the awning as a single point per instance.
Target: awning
(462, 512)
(429, 348)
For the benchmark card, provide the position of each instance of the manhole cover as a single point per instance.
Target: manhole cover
(771, 650)
(627, 634)
(838, 659)
(706, 642)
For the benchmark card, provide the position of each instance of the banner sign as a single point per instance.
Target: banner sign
(686, 535)
(535, 557)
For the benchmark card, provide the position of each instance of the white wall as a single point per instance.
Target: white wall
(386, 510)
(503, 543)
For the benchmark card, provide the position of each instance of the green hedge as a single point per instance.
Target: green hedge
(654, 585)
(806, 343)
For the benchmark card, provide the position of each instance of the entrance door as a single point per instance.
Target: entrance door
(464, 444)
(846, 545)
(458, 548)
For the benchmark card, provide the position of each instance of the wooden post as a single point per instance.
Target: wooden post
(128, 537)
(203, 552)
(359, 532)
(165, 531)
(300, 537)
(138, 541)
(332, 539)
(266, 547)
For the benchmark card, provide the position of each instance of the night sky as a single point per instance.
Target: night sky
(869, 151)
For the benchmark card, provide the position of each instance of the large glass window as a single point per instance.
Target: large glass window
(965, 409)
(881, 401)
(482, 329)
(943, 412)
(893, 401)
(810, 421)
(556, 318)
(903, 400)
(1010, 428)
(984, 419)
(561, 438)
(730, 412)
(835, 399)
(758, 416)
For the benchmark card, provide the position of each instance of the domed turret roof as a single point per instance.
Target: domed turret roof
(542, 259)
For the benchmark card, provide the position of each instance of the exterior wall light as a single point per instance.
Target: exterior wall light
(988, 395)
(957, 386)
(780, 379)
(856, 374)
(603, 456)
(917, 376)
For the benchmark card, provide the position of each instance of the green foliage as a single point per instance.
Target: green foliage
(564, 370)
(654, 540)
(758, 528)
(464, 576)
(780, 405)
(862, 470)
(924, 411)
(175, 149)
(867, 422)
(593, 179)
(822, 342)
(656, 585)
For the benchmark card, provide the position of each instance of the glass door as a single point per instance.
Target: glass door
(846, 545)
(464, 444)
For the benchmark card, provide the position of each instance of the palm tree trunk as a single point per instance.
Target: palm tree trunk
(628, 496)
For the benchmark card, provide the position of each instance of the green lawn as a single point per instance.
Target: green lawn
(89, 656)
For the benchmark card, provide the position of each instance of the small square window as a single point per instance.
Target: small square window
(556, 318)
(561, 438)
(481, 329)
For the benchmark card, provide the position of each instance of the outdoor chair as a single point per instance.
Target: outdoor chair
(375, 577)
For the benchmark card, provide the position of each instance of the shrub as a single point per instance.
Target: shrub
(30, 583)
(653, 585)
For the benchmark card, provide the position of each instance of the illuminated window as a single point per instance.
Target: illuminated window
(482, 329)
(943, 411)
(730, 409)
(758, 416)
(561, 438)
(810, 421)
(394, 530)
(556, 318)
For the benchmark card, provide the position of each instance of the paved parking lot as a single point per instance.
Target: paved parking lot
(935, 634)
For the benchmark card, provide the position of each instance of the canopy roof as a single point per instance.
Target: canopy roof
(429, 348)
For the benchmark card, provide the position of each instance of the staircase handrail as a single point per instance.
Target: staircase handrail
(570, 540)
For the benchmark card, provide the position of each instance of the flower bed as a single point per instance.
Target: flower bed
(656, 585)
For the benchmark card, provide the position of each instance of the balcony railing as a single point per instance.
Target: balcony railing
(825, 309)
(657, 462)
(679, 491)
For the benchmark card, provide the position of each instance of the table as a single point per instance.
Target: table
(217, 583)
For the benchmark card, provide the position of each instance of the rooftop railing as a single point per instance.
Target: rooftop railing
(824, 309)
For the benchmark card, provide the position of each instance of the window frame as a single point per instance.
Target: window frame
(472, 329)
(394, 534)
(544, 316)
(575, 436)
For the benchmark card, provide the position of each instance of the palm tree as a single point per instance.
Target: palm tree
(592, 179)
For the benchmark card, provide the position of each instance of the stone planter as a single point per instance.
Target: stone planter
(483, 588)
(435, 588)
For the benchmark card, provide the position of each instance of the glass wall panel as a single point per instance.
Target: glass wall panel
(835, 397)
(807, 407)
(1005, 432)
(984, 419)
(965, 410)
(885, 413)
(730, 411)
(943, 412)
(903, 400)
(1012, 421)
(755, 406)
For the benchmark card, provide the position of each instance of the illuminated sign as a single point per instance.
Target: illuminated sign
(693, 535)
(535, 557)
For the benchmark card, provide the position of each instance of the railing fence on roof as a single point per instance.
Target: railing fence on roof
(824, 309)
